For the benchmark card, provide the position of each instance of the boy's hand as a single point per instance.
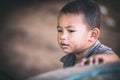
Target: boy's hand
(99, 58)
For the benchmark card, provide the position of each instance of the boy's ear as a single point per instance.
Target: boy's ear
(94, 34)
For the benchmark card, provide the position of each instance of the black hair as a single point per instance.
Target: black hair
(88, 8)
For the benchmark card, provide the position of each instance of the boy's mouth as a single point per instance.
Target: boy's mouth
(64, 46)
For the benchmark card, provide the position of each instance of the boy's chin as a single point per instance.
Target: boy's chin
(68, 52)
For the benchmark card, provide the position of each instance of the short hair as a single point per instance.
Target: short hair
(88, 8)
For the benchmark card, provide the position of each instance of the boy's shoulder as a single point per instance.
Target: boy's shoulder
(98, 48)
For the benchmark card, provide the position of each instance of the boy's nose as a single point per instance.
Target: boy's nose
(63, 36)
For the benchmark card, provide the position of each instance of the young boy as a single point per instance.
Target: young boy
(78, 33)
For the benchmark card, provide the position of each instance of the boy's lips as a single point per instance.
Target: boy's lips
(64, 46)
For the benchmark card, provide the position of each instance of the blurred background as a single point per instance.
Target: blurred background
(28, 43)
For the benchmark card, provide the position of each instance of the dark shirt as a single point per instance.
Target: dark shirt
(97, 48)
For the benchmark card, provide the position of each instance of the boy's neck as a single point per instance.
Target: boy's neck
(81, 54)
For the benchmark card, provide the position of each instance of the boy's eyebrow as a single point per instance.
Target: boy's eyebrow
(67, 27)
(70, 27)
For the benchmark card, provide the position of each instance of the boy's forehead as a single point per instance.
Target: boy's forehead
(71, 16)
(71, 19)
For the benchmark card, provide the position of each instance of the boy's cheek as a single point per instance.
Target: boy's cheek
(58, 40)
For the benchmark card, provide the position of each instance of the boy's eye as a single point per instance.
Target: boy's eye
(71, 30)
(59, 30)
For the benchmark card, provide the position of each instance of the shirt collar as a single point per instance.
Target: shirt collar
(69, 60)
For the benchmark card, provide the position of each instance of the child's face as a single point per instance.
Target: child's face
(72, 33)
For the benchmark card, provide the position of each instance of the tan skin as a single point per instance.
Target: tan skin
(75, 37)
(97, 59)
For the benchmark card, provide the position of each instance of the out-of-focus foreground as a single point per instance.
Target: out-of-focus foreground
(28, 43)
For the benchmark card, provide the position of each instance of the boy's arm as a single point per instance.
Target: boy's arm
(99, 58)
